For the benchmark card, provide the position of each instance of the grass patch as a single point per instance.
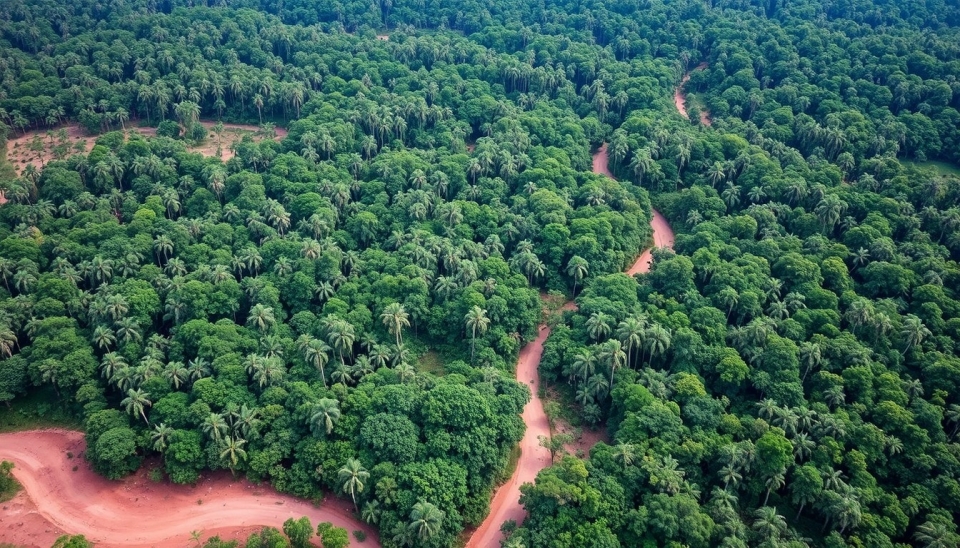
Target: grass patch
(9, 486)
(37, 410)
(430, 362)
(942, 168)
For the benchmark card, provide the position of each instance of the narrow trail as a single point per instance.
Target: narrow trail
(63, 495)
(680, 99)
(533, 458)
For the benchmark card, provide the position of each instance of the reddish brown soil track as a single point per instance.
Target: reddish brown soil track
(64, 495)
(533, 458)
(680, 99)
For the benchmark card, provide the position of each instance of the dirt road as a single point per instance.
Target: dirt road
(533, 458)
(64, 495)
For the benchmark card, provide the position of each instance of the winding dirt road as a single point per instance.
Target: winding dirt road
(136, 512)
(533, 458)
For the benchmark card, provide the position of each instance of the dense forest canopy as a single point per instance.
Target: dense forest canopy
(340, 309)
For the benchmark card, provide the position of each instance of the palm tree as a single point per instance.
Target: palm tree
(598, 325)
(103, 337)
(731, 195)
(233, 447)
(584, 364)
(829, 210)
(657, 340)
(176, 373)
(215, 427)
(323, 415)
(631, 332)
(405, 371)
(848, 511)
(245, 421)
(769, 524)
(163, 245)
(341, 375)
(315, 353)
(341, 336)
(161, 437)
(936, 534)
(261, 317)
(625, 453)
(425, 520)
(577, 269)
(111, 363)
(952, 414)
(613, 352)
(128, 330)
(395, 318)
(268, 371)
(775, 483)
(730, 475)
(198, 369)
(351, 478)
(476, 320)
(371, 512)
(136, 403)
(716, 174)
(913, 332)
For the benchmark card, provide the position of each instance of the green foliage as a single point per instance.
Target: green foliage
(298, 531)
(9, 486)
(332, 536)
(265, 314)
(72, 541)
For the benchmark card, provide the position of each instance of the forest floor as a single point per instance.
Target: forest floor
(62, 494)
(39, 147)
(533, 458)
(680, 99)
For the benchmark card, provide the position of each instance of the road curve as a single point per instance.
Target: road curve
(533, 458)
(136, 512)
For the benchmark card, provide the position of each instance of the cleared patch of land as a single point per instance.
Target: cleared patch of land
(62, 494)
(39, 147)
(942, 168)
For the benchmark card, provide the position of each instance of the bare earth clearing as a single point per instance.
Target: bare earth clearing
(533, 458)
(21, 151)
(137, 512)
(680, 99)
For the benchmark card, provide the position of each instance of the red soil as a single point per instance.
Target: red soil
(533, 458)
(19, 153)
(65, 495)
